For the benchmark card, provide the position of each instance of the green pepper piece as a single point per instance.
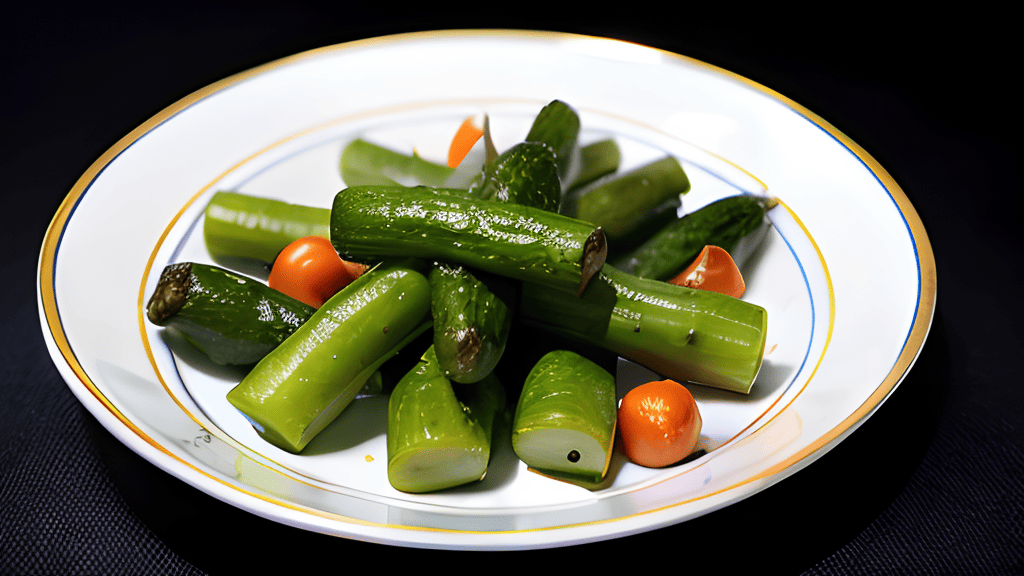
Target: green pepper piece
(302, 385)
(230, 318)
(244, 227)
(365, 163)
(435, 440)
(565, 418)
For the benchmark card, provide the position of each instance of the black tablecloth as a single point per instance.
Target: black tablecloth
(930, 484)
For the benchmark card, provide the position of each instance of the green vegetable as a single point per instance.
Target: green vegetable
(365, 163)
(680, 333)
(558, 126)
(230, 318)
(625, 205)
(565, 419)
(471, 323)
(525, 174)
(373, 222)
(722, 223)
(243, 227)
(303, 384)
(435, 441)
(597, 159)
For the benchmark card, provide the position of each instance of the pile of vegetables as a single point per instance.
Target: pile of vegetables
(455, 288)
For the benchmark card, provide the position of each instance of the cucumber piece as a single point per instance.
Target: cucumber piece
(624, 205)
(525, 174)
(681, 333)
(230, 318)
(471, 323)
(558, 126)
(244, 227)
(435, 441)
(565, 418)
(303, 384)
(722, 223)
(365, 163)
(597, 159)
(521, 242)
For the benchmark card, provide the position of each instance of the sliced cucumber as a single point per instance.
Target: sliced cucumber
(565, 419)
(435, 440)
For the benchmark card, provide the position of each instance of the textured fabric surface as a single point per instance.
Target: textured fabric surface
(961, 513)
(59, 511)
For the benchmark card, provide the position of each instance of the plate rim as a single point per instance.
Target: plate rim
(128, 433)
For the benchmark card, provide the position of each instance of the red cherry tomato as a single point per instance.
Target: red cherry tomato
(310, 270)
(659, 423)
(714, 271)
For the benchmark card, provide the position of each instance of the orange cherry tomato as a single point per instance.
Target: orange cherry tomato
(310, 270)
(714, 271)
(658, 423)
(465, 137)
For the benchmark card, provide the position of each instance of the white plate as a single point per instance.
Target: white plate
(846, 274)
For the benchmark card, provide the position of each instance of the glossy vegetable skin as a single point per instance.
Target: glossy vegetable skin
(558, 125)
(680, 333)
(713, 270)
(438, 436)
(471, 323)
(374, 222)
(525, 174)
(366, 163)
(722, 223)
(627, 205)
(244, 227)
(565, 417)
(230, 318)
(310, 270)
(303, 384)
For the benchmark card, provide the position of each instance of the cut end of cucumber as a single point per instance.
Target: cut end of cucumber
(562, 450)
(429, 470)
(170, 293)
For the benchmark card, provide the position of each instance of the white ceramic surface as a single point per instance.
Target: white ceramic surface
(839, 338)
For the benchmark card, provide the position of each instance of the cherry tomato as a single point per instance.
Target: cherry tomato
(659, 423)
(310, 270)
(714, 271)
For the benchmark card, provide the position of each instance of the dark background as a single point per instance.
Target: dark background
(931, 484)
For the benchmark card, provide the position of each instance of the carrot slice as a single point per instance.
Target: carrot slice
(465, 137)
(714, 271)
